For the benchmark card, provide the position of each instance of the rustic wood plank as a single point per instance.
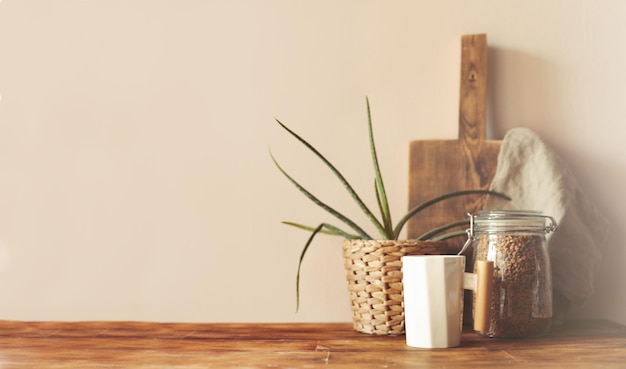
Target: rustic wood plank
(57, 345)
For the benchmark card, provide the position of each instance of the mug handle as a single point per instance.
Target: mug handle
(483, 291)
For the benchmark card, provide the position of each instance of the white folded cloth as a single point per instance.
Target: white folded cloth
(537, 179)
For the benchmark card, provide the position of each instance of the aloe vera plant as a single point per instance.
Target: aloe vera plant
(384, 225)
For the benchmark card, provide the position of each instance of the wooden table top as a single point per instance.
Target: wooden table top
(579, 344)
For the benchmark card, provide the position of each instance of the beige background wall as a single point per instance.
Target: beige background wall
(135, 178)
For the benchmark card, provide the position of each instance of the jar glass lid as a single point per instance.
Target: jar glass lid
(513, 220)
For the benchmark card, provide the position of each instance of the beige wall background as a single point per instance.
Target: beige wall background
(135, 176)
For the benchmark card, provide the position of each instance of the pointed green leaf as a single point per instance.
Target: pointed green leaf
(381, 194)
(435, 231)
(449, 235)
(330, 210)
(340, 176)
(304, 250)
(431, 202)
(381, 207)
(329, 230)
(317, 230)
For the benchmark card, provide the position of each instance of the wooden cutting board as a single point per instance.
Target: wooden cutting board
(437, 167)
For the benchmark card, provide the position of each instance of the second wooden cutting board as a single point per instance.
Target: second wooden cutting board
(437, 167)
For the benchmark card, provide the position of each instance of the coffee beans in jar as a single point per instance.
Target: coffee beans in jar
(521, 296)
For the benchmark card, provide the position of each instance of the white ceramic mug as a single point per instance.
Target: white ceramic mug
(433, 298)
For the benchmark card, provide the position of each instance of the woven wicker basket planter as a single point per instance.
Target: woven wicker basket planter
(374, 275)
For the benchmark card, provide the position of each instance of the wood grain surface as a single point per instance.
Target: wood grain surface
(437, 167)
(581, 344)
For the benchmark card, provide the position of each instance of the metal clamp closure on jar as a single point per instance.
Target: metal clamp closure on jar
(508, 220)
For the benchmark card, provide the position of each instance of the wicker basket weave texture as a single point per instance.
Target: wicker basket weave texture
(374, 276)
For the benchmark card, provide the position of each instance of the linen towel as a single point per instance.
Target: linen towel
(537, 179)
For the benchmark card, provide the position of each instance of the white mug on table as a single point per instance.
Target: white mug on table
(433, 298)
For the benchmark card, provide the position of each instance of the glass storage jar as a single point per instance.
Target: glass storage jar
(521, 296)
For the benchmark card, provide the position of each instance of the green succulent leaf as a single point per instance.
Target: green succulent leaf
(329, 230)
(381, 194)
(304, 250)
(448, 235)
(316, 230)
(435, 200)
(330, 210)
(342, 179)
(382, 211)
(436, 231)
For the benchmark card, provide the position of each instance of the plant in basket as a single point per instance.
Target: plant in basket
(373, 264)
